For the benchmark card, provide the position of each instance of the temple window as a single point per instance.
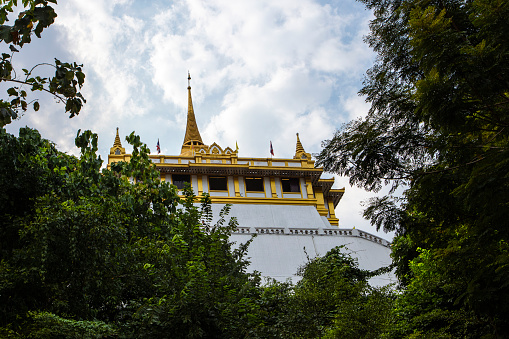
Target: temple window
(290, 185)
(218, 184)
(180, 180)
(254, 185)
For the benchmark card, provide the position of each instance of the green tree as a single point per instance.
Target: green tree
(333, 300)
(85, 248)
(328, 284)
(438, 126)
(35, 16)
(426, 308)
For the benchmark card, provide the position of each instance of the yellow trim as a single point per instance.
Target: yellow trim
(236, 185)
(261, 201)
(332, 214)
(273, 187)
(320, 205)
(309, 189)
(333, 221)
(199, 178)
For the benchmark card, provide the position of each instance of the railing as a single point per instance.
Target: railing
(308, 231)
(373, 238)
(267, 230)
(303, 231)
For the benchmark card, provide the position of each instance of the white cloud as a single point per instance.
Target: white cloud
(355, 107)
(262, 70)
(110, 47)
(247, 42)
(275, 111)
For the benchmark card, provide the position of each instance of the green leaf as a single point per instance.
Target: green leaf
(69, 75)
(12, 91)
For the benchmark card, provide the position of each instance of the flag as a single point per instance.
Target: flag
(271, 149)
(158, 147)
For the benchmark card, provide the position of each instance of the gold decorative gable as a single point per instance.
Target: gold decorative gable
(216, 150)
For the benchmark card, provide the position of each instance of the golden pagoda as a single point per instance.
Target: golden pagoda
(282, 200)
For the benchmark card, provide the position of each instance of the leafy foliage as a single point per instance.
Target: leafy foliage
(82, 247)
(332, 300)
(69, 77)
(48, 325)
(118, 253)
(438, 126)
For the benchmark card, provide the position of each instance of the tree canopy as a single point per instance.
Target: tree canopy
(82, 244)
(438, 127)
(116, 252)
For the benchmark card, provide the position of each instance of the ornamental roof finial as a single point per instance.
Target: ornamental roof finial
(299, 148)
(192, 137)
(117, 148)
(117, 142)
(300, 153)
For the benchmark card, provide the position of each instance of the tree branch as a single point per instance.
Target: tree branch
(29, 84)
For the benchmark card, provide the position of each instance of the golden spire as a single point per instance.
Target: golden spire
(117, 148)
(192, 137)
(299, 148)
(300, 153)
(117, 142)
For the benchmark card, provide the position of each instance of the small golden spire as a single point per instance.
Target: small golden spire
(299, 148)
(300, 153)
(117, 142)
(117, 148)
(192, 137)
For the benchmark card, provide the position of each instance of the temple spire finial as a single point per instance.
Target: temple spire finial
(117, 142)
(299, 148)
(300, 153)
(117, 148)
(192, 137)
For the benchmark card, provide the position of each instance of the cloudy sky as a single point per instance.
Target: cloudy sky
(262, 70)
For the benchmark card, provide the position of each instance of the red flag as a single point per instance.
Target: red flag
(158, 147)
(271, 149)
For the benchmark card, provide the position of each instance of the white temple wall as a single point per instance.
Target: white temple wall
(285, 233)
(276, 216)
(280, 256)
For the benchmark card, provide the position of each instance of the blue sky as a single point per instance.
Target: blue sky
(261, 71)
